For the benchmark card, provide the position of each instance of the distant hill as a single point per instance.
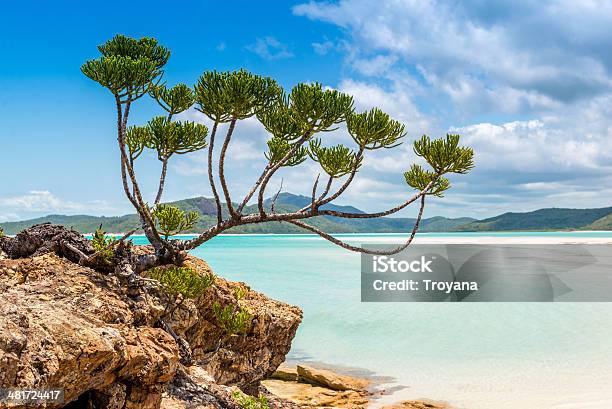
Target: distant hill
(605, 223)
(545, 219)
(286, 202)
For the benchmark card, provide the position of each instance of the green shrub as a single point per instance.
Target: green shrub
(240, 292)
(171, 220)
(101, 242)
(233, 319)
(250, 402)
(182, 281)
(1, 232)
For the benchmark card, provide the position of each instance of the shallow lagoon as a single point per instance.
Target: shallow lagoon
(477, 356)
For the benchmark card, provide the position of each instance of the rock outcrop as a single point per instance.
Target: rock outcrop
(44, 238)
(285, 373)
(64, 325)
(329, 379)
(242, 360)
(319, 388)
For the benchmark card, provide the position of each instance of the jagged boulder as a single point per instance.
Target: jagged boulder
(62, 324)
(44, 238)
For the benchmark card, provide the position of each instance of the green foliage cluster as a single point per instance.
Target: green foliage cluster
(278, 148)
(128, 67)
(165, 136)
(336, 161)
(170, 220)
(233, 95)
(444, 155)
(374, 129)
(308, 109)
(103, 243)
(319, 108)
(240, 293)
(137, 138)
(233, 319)
(173, 100)
(250, 402)
(1, 232)
(183, 281)
(419, 179)
(168, 138)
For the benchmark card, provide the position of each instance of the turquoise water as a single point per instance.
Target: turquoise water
(489, 355)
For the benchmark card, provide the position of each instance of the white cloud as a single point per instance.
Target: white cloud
(323, 48)
(8, 217)
(470, 49)
(396, 101)
(39, 200)
(377, 65)
(527, 84)
(42, 202)
(270, 48)
(570, 141)
(366, 188)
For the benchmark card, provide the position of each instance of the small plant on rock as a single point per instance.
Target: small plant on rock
(1, 232)
(250, 402)
(180, 284)
(233, 319)
(104, 245)
(240, 292)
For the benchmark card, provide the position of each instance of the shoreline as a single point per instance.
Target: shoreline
(493, 238)
(313, 384)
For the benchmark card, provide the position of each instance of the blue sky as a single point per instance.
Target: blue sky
(528, 85)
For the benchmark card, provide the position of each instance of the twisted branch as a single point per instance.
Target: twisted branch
(274, 168)
(347, 246)
(210, 172)
(228, 137)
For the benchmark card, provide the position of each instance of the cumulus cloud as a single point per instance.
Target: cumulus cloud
(270, 48)
(527, 84)
(39, 200)
(42, 202)
(472, 49)
(396, 100)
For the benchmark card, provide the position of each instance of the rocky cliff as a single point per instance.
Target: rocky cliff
(64, 325)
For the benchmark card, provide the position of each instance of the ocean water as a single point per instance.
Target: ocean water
(472, 355)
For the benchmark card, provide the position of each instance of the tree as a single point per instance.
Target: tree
(297, 122)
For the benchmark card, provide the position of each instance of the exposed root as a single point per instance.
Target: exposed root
(184, 348)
